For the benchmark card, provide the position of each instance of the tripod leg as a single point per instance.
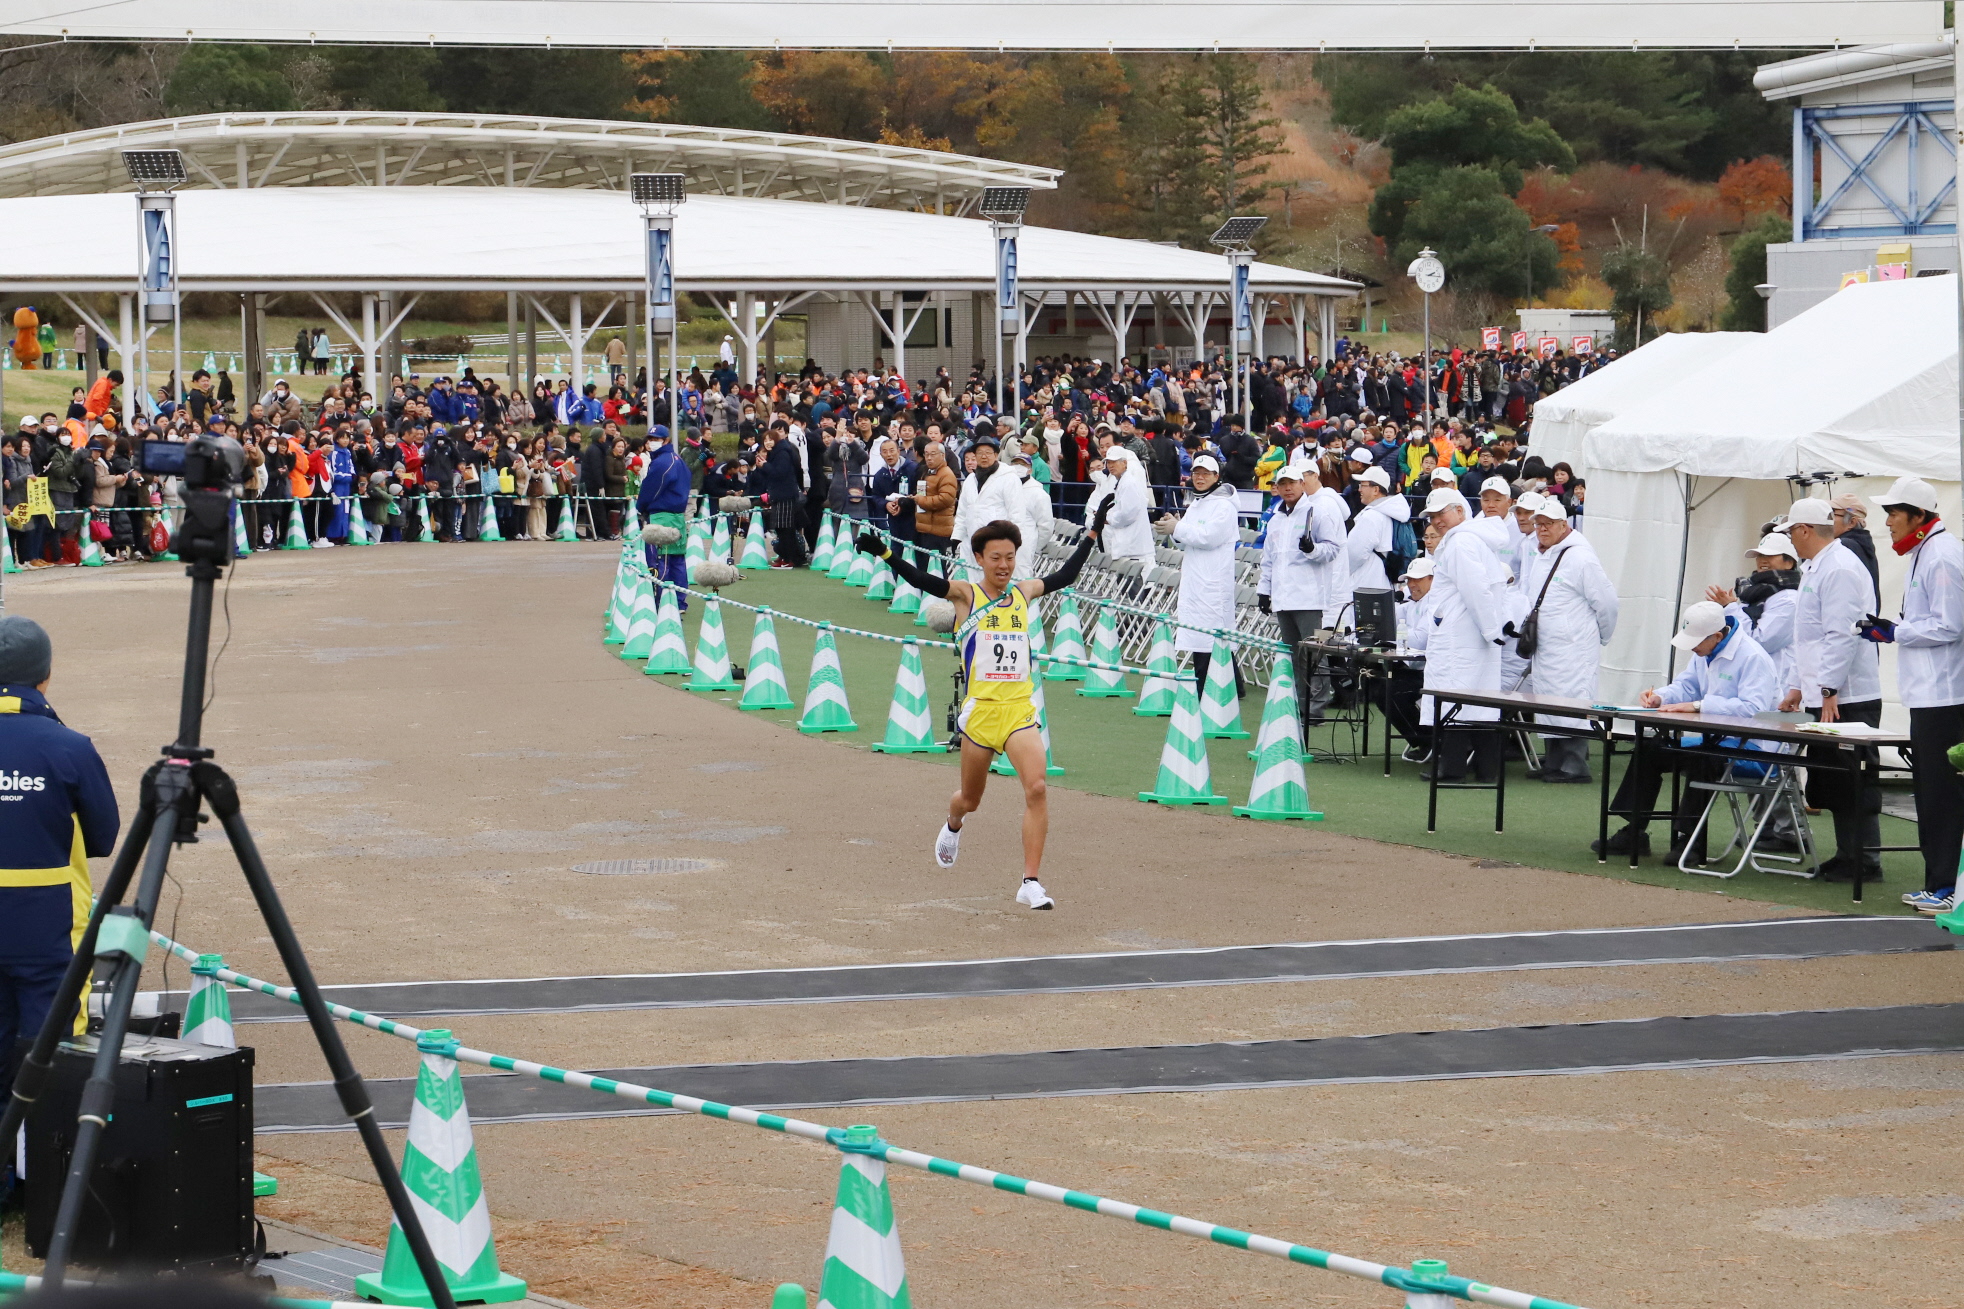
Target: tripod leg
(40, 1061)
(223, 796)
(123, 940)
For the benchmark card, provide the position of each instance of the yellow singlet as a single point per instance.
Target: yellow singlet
(996, 653)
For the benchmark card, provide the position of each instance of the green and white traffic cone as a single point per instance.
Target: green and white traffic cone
(620, 609)
(859, 572)
(207, 1012)
(826, 709)
(241, 547)
(906, 596)
(426, 531)
(754, 553)
(1156, 697)
(712, 671)
(358, 532)
(910, 718)
(631, 524)
(439, 1166)
(719, 540)
(764, 686)
(1220, 708)
(91, 551)
(1069, 644)
(7, 564)
(1184, 776)
(566, 531)
(640, 641)
(1280, 790)
(880, 587)
(845, 554)
(827, 545)
(487, 520)
(1001, 766)
(1039, 644)
(789, 1295)
(296, 529)
(696, 553)
(670, 651)
(864, 1268)
(934, 568)
(1105, 683)
(168, 516)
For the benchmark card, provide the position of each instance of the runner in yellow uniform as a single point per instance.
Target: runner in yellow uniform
(992, 633)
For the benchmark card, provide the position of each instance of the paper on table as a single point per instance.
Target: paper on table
(1843, 729)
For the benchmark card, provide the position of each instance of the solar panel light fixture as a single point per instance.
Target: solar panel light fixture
(147, 166)
(658, 188)
(1234, 234)
(1004, 202)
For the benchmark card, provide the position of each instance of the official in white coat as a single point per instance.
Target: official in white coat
(1495, 524)
(991, 492)
(1304, 570)
(1929, 679)
(1370, 538)
(1208, 532)
(1128, 532)
(1574, 609)
(1836, 678)
(1462, 652)
(1030, 511)
(1767, 600)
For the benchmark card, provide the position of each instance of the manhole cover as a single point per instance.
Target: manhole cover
(638, 867)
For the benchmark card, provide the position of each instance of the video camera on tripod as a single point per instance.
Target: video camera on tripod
(211, 467)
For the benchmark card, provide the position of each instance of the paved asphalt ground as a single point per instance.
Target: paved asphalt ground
(429, 740)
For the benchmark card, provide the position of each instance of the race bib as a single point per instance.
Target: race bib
(1003, 656)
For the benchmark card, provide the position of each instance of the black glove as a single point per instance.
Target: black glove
(1098, 519)
(1507, 628)
(1262, 603)
(871, 543)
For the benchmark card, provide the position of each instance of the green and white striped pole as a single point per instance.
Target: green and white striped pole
(1069, 644)
(241, 547)
(764, 686)
(754, 553)
(640, 641)
(906, 596)
(910, 718)
(864, 1268)
(879, 587)
(1184, 775)
(439, 1166)
(1105, 683)
(207, 1011)
(713, 671)
(296, 530)
(826, 709)
(670, 652)
(827, 545)
(1280, 789)
(1156, 698)
(1220, 707)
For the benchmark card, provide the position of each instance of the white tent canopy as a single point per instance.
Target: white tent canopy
(1862, 388)
(999, 24)
(1563, 421)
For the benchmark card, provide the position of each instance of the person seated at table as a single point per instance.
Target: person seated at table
(1729, 676)
(1397, 692)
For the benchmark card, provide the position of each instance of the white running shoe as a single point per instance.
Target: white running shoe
(947, 847)
(1032, 894)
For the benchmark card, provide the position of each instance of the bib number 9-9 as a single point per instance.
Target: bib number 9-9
(1005, 658)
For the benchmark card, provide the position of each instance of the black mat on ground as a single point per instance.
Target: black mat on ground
(1403, 1056)
(1780, 938)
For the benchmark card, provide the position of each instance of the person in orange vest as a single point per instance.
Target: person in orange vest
(102, 396)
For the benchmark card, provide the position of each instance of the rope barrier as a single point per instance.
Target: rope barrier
(1415, 1280)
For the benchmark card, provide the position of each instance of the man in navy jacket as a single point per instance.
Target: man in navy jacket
(57, 811)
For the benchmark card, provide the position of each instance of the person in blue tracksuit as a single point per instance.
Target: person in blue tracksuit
(57, 811)
(664, 499)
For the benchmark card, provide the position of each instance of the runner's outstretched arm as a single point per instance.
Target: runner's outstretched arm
(873, 544)
(1067, 575)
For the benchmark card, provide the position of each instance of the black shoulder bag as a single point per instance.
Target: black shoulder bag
(1527, 636)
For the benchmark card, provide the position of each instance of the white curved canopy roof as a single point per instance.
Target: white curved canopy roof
(398, 149)
(998, 24)
(493, 239)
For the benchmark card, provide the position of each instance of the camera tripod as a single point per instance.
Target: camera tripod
(118, 935)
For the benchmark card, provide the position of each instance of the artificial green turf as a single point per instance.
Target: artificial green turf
(1107, 749)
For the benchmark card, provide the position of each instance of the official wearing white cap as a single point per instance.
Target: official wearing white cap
(1463, 648)
(1128, 531)
(1495, 524)
(1209, 530)
(1396, 694)
(1729, 676)
(1767, 600)
(1574, 609)
(1929, 678)
(1304, 573)
(1836, 677)
(1372, 541)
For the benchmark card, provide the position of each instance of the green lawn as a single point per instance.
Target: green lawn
(1107, 749)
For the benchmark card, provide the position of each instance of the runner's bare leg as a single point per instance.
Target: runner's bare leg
(1025, 751)
(975, 775)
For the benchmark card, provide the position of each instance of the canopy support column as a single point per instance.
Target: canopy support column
(633, 322)
(577, 341)
(1326, 310)
(255, 363)
(370, 346)
(1118, 320)
(896, 329)
(511, 341)
(531, 344)
(125, 329)
(369, 336)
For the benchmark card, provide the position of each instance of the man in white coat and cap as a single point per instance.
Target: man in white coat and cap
(989, 493)
(1208, 531)
(1462, 651)
(1030, 511)
(1128, 531)
(1574, 609)
(1304, 571)
(1373, 531)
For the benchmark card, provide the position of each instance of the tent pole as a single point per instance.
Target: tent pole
(1957, 133)
(1686, 486)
